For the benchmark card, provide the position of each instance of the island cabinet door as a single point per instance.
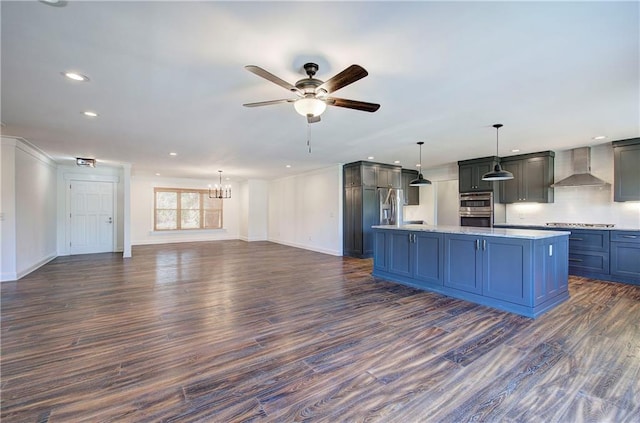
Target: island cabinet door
(399, 247)
(428, 257)
(463, 263)
(506, 267)
(380, 250)
(550, 269)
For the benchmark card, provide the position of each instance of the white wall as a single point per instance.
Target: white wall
(243, 210)
(8, 209)
(580, 204)
(257, 210)
(305, 210)
(142, 213)
(28, 208)
(436, 200)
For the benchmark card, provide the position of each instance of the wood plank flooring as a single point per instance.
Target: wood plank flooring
(230, 331)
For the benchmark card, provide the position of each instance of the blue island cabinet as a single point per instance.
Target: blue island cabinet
(416, 258)
(493, 267)
(523, 275)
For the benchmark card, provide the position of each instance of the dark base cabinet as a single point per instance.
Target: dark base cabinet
(603, 254)
(523, 276)
(625, 256)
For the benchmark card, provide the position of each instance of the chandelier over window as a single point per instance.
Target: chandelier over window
(220, 191)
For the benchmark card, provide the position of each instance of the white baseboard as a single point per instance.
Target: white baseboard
(174, 241)
(307, 247)
(6, 277)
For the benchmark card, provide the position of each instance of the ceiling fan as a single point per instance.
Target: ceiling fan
(313, 94)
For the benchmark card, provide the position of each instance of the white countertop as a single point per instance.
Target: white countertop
(472, 230)
(568, 227)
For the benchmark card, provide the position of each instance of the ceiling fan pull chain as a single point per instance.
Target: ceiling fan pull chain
(309, 136)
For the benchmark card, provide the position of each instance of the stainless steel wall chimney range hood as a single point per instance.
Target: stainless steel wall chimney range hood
(582, 177)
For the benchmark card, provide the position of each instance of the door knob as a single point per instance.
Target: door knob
(110, 220)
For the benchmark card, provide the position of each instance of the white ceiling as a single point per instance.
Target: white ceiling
(169, 76)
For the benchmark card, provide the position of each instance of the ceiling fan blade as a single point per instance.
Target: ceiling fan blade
(270, 102)
(271, 77)
(352, 104)
(344, 78)
(313, 119)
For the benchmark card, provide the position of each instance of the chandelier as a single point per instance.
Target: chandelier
(220, 191)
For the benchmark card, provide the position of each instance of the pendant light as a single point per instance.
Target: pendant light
(221, 192)
(420, 181)
(497, 174)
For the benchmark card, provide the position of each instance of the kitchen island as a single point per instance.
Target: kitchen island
(516, 270)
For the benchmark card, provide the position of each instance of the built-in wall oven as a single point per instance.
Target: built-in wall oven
(476, 209)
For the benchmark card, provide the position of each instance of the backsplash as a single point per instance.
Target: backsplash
(580, 204)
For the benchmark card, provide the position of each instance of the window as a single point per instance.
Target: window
(180, 209)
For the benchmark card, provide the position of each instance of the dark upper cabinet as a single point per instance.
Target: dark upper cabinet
(626, 159)
(411, 194)
(388, 176)
(352, 176)
(470, 174)
(371, 174)
(532, 178)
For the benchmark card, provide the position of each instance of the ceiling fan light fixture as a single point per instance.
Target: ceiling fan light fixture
(310, 106)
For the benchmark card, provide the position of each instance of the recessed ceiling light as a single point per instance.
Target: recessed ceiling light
(418, 165)
(515, 150)
(288, 166)
(157, 174)
(600, 137)
(397, 162)
(370, 158)
(89, 113)
(76, 76)
(173, 154)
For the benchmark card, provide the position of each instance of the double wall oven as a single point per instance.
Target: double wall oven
(476, 209)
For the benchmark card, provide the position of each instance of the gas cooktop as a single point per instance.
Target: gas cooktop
(581, 225)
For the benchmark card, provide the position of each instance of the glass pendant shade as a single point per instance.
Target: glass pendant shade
(309, 106)
(498, 174)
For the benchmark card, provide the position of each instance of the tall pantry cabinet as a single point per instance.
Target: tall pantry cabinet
(361, 203)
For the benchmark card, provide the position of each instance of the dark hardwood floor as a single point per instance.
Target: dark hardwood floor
(232, 331)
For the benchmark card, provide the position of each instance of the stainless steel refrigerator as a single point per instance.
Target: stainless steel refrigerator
(391, 201)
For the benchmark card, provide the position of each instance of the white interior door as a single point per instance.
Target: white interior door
(91, 217)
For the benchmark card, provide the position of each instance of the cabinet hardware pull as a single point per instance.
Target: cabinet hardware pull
(576, 239)
(629, 236)
(477, 244)
(575, 259)
(484, 244)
